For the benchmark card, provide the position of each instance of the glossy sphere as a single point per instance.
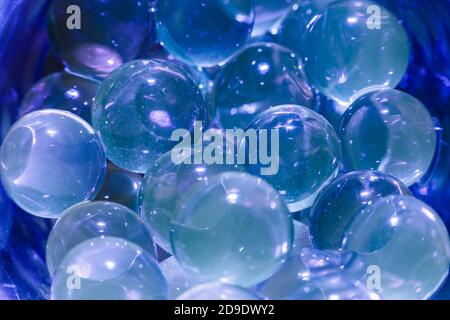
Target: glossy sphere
(51, 160)
(216, 291)
(261, 76)
(268, 13)
(302, 238)
(96, 37)
(389, 131)
(61, 91)
(94, 219)
(309, 153)
(409, 243)
(108, 269)
(121, 187)
(354, 45)
(139, 106)
(204, 33)
(207, 242)
(178, 280)
(342, 200)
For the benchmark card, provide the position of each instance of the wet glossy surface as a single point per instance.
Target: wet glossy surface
(217, 292)
(268, 13)
(178, 280)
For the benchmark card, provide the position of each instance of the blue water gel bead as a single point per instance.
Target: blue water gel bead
(217, 291)
(204, 33)
(95, 37)
(178, 280)
(339, 202)
(307, 153)
(292, 28)
(108, 268)
(302, 237)
(6, 217)
(138, 108)
(389, 131)
(236, 230)
(51, 160)
(352, 46)
(121, 187)
(62, 91)
(268, 13)
(405, 243)
(95, 219)
(261, 76)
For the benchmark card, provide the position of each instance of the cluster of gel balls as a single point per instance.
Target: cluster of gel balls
(143, 78)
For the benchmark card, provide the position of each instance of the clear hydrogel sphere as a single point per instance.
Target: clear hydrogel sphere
(108, 268)
(51, 160)
(95, 37)
(268, 13)
(236, 230)
(204, 33)
(309, 153)
(217, 291)
(406, 242)
(343, 199)
(91, 220)
(121, 187)
(62, 91)
(389, 131)
(354, 45)
(138, 108)
(261, 76)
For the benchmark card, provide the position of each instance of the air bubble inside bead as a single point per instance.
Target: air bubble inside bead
(108, 268)
(389, 131)
(51, 160)
(95, 219)
(353, 46)
(207, 242)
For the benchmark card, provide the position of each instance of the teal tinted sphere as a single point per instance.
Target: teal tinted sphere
(51, 160)
(108, 269)
(339, 202)
(235, 230)
(121, 187)
(389, 131)
(216, 291)
(354, 45)
(139, 106)
(96, 37)
(203, 33)
(268, 13)
(302, 237)
(261, 76)
(91, 220)
(408, 243)
(61, 91)
(309, 153)
(178, 280)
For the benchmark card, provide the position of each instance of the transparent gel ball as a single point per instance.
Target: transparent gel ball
(236, 230)
(408, 244)
(167, 181)
(108, 268)
(389, 131)
(303, 147)
(96, 37)
(354, 45)
(268, 13)
(51, 160)
(61, 91)
(339, 202)
(204, 33)
(261, 76)
(291, 29)
(302, 237)
(217, 291)
(121, 187)
(138, 108)
(178, 280)
(91, 220)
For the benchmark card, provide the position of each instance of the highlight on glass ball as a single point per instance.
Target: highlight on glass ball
(224, 150)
